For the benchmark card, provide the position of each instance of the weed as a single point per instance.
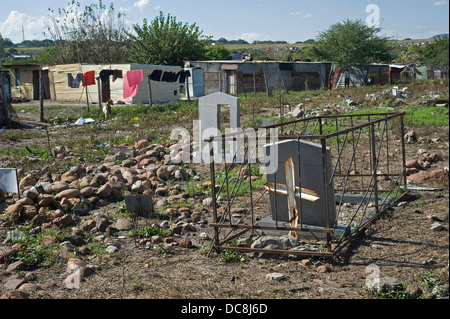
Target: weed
(431, 284)
(148, 231)
(163, 249)
(32, 252)
(204, 250)
(136, 286)
(230, 256)
(399, 293)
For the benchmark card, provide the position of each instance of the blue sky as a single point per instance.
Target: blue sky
(288, 20)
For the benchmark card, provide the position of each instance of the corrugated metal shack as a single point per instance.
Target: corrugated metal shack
(377, 74)
(4, 99)
(236, 77)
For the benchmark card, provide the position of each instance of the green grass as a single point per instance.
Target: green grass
(141, 111)
(418, 117)
(149, 231)
(33, 253)
(16, 154)
(241, 188)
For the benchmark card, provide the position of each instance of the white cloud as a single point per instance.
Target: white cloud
(141, 3)
(250, 36)
(440, 3)
(122, 9)
(301, 15)
(33, 27)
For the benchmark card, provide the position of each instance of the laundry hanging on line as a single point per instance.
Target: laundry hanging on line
(89, 78)
(105, 74)
(168, 76)
(75, 82)
(131, 83)
(117, 75)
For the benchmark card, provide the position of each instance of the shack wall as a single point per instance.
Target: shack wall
(25, 89)
(236, 77)
(162, 92)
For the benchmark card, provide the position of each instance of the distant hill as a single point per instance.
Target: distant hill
(440, 36)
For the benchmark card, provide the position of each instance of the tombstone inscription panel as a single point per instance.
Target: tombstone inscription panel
(313, 212)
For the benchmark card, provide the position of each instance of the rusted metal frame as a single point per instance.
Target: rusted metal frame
(240, 179)
(373, 122)
(370, 144)
(402, 128)
(326, 195)
(321, 136)
(251, 193)
(363, 213)
(226, 238)
(387, 148)
(376, 160)
(213, 195)
(300, 211)
(368, 175)
(314, 131)
(337, 141)
(326, 254)
(348, 172)
(390, 191)
(319, 118)
(375, 163)
(228, 169)
(330, 135)
(223, 217)
(226, 182)
(234, 191)
(284, 228)
(389, 114)
(343, 241)
(339, 158)
(373, 180)
(251, 201)
(353, 142)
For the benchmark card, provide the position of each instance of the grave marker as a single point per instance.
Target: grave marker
(8, 180)
(209, 124)
(313, 213)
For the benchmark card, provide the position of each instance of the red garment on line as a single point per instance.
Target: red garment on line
(131, 83)
(89, 78)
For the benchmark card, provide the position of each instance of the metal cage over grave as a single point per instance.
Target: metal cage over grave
(335, 175)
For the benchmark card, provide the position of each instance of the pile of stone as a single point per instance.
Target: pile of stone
(70, 199)
(48, 198)
(420, 170)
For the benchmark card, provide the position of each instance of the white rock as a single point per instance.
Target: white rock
(276, 276)
(436, 227)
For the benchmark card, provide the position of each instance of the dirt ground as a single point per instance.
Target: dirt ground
(400, 243)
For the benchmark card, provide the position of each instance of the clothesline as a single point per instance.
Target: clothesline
(131, 82)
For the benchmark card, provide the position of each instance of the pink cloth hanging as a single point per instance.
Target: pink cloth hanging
(131, 83)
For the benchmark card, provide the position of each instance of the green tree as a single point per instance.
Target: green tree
(94, 34)
(408, 56)
(436, 54)
(2, 46)
(165, 41)
(352, 43)
(217, 52)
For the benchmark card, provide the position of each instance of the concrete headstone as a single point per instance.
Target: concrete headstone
(209, 124)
